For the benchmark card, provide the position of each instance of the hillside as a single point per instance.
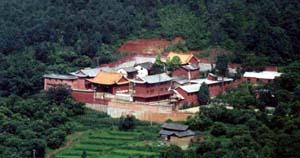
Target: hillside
(59, 36)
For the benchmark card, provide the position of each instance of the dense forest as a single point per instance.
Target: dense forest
(33, 124)
(63, 35)
(43, 36)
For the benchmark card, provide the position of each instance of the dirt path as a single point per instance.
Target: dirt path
(71, 139)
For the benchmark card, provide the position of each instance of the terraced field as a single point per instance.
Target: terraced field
(114, 144)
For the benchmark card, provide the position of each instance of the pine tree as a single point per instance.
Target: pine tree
(222, 67)
(203, 94)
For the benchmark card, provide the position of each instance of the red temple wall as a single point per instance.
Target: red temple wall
(87, 97)
(195, 74)
(55, 82)
(120, 88)
(193, 60)
(190, 98)
(181, 72)
(152, 90)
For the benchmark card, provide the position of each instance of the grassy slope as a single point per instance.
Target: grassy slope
(98, 135)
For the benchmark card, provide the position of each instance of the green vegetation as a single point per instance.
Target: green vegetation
(241, 97)
(127, 123)
(203, 94)
(112, 143)
(169, 65)
(177, 47)
(222, 65)
(241, 132)
(62, 36)
(96, 134)
(36, 123)
(46, 36)
(172, 64)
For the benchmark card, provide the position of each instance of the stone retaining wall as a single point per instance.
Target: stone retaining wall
(142, 112)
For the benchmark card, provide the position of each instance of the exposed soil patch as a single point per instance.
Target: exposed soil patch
(151, 46)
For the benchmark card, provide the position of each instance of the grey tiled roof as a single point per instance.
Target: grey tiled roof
(185, 133)
(191, 88)
(176, 133)
(174, 126)
(59, 76)
(205, 67)
(181, 80)
(91, 72)
(129, 69)
(146, 65)
(87, 72)
(158, 78)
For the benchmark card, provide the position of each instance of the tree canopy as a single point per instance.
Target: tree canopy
(203, 94)
(60, 36)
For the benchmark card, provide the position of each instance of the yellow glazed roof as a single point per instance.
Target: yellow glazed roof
(184, 58)
(108, 78)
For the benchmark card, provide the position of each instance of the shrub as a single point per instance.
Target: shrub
(240, 130)
(127, 123)
(146, 136)
(74, 107)
(204, 147)
(199, 122)
(203, 94)
(84, 154)
(56, 139)
(218, 130)
(172, 151)
(58, 94)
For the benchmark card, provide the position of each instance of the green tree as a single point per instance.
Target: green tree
(127, 123)
(199, 122)
(218, 130)
(173, 63)
(253, 62)
(222, 67)
(56, 139)
(58, 94)
(172, 151)
(158, 66)
(203, 94)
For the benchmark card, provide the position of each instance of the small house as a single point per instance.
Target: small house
(185, 59)
(189, 67)
(260, 77)
(176, 133)
(188, 93)
(215, 84)
(152, 88)
(190, 71)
